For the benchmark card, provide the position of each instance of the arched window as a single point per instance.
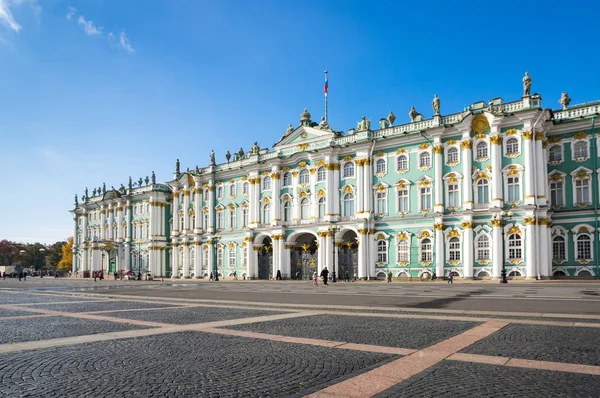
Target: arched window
(482, 150)
(348, 170)
(483, 248)
(558, 249)
(483, 191)
(219, 191)
(515, 247)
(555, 153)
(454, 249)
(232, 256)
(584, 247)
(580, 149)
(452, 155)
(267, 183)
(556, 193)
(322, 207)
(348, 205)
(382, 251)
(512, 146)
(403, 251)
(424, 159)
(426, 250)
(219, 257)
(321, 173)
(287, 179)
(304, 209)
(380, 166)
(266, 213)
(304, 176)
(287, 211)
(402, 162)
(206, 219)
(245, 188)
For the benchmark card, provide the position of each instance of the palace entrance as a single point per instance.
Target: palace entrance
(304, 257)
(265, 259)
(347, 256)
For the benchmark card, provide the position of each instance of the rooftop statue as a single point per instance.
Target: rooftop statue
(435, 104)
(153, 177)
(177, 166)
(526, 85)
(391, 118)
(103, 188)
(212, 157)
(227, 156)
(197, 170)
(140, 182)
(364, 124)
(241, 152)
(94, 192)
(255, 148)
(76, 202)
(122, 188)
(130, 183)
(324, 125)
(85, 191)
(565, 100)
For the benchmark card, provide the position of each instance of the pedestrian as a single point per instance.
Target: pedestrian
(115, 275)
(433, 276)
(315, 283)
(20, 275)
(297, 275)
(346, 277)
(235, 275)
(354, 277)
(24, 276)
(95, 275)
(55, 274)
(389, 276)
(450, 277)
(211, 277)
(325, 275)
(279, 275)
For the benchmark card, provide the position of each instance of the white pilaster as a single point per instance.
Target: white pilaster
(439, 247)
(530, 258)
(467, 162)
(368, 185)
(175, 260)
(175, 212)
(467, 247)
(497, 244)
(186, 210)
(529, 167)
(197, 211)
(362, 253)
(496, 163)
(102, 222)
(540, 170)
(544, 264)
(359, 194)
(120, 228)
(438, 189)
(186, 259)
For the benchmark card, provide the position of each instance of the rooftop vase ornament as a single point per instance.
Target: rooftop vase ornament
(140, 182)
(241, 152)
(227, 156)
(436, 105)
(565, 100)
(414, 115)
(146, 180)
(391, 118)
(526, 85)
(99, 190)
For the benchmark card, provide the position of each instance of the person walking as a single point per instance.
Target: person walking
(450, 277)
(325, 275)
(211, 278)
(235, 275)
(346, 277)
(95, 276)
(315, 283)
(389, 276)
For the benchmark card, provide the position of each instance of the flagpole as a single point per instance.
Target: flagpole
(326, 95)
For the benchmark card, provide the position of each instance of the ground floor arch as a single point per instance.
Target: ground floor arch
(265, 258)
(304, 256)
(347, 255)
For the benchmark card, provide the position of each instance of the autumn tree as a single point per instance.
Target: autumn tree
(66, 262)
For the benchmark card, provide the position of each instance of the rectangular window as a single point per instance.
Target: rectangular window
(219, 220)
(403, 200)
(453, 195)
(582, 191)
(232, 219)
(381, 203)
(556, 193)
(425, 198)
(514, 189)
(244, 218)
(403, 251)
(558, 249)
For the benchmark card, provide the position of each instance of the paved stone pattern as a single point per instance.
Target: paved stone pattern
(579, 345)
(53, 327)
(100, 305)
(450, 379)
(390, 332)
(23, 298)
(7, 312)
(180, 364)
(182, 316)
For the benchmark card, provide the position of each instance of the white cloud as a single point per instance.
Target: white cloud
(71, 13)
(6, 17)
(88, 26)
(124, 42)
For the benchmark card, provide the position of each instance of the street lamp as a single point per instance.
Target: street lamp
(502, 216)
(22, 253)
(43, 253)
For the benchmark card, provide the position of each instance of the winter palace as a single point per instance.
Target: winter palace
(497, 185)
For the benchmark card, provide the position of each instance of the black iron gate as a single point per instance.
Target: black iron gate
(265, 263)
(348, 262)
(304, 262)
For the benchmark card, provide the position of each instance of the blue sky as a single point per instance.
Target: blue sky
(96, 91)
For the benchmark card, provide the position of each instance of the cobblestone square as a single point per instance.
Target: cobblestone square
(24, 298)
(99, 305)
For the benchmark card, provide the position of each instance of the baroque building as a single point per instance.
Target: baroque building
(502, 184)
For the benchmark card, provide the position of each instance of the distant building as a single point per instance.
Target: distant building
(415, 198)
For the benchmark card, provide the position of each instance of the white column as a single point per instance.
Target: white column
(128, 217)
(438, 183)
(544, 264)
(496, 163)
(211, 258)
(326, 242)
(96, 257)
(530, 258)
(282, 266)
(549, 247)
(368, 186)
(332, 192)
(286, 259)
(175, 260)
(371, 256)
(186, 259)
(359, 194)
(541, 170)
(84, 258)
(198, 211)
(467, 248)
(497, 244)
(362, 253)
(103, 222)
(198, 255)
(175, 212)
(529, 167)
(211, 208)
(252, 215)
(253, 260)
(295, 198)
(276, 257)
(313, 195)
(120, 229)
(439, 248)
(276, 192)
(335, 198)
(467, 161)
(186, 209)
(111, 220)
(84, 225)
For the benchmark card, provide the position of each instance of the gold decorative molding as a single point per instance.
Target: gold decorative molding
(528, 135)
(401, 150)
(303, 147)
(466, 144)
(320, 163)
(580, 136)
(438, 227)
(347, 158)
(539, 136)
(553, 140)
(438, 150)
(480, 124)
(496, 140)
(467, 225)
(496, 223)
(511, 131)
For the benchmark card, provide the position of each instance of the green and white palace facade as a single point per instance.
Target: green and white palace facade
(499, 183)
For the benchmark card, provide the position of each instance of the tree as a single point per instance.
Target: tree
(66, 262)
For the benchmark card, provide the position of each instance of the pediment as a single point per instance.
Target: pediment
(304, 134)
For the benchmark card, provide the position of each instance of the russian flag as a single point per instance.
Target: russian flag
(326, 86)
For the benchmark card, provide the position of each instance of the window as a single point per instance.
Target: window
(232, 190)
(206, 220)
(582, 190)
(244, 218)
(426, 250)
(556, 193)
(424, 159)
(266, 183)
(304, 209)
(482, 150)
(454, 249)
(403, 251)
(483, 248)
(205, 259)
(381, 202)
(287, 179)
(348, 205)
(402, 162)
(584, 247)
(219, 219)
(380, 166)
(515, 247)
(425, 193)
(321, 173)
(245, 188)
(219, 191)
(453, 199)
(287, 211)
(245, 255)
(219, 257)
(192, 256)
(580, 149)
(232, 219)
(304, 176)
(322, 207)
(232, 256)
(206, 194)
(558, 249)
(403, 200)
(266, 214)
(348, 170)
(514, 189)
(483, 191)
(452, 155)
(555, 153)
(382, 251)
(512, 146)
